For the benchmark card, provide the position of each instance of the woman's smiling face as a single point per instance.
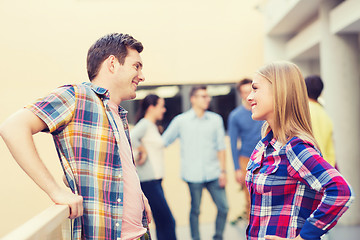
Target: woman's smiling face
(261, 99)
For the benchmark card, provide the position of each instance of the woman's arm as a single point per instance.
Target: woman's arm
(308, 167)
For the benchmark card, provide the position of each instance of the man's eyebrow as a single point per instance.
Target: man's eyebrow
(140, 63)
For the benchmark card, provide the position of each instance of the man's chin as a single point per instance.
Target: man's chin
(129, 97)
(132, 96)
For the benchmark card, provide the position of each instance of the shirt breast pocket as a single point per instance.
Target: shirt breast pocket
(265, 181)
(208, 133)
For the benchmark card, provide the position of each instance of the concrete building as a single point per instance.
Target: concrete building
(322, 37)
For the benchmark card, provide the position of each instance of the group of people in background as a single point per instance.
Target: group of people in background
(280, 158)
(202, 140)
(201, 135)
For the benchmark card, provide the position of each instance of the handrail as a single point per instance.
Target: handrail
(40, 226)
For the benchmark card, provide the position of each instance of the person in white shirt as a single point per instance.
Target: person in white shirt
(149, 156)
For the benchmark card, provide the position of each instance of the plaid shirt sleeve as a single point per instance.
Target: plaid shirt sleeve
(307, 166)
(56, 109)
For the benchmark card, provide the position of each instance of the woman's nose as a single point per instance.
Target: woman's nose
(250, 97)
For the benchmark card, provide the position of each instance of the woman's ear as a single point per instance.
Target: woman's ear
(150, 108)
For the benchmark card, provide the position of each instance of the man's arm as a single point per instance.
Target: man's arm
(147, 208)
(172, 132)
(233, 134)
(222, 159)
(220, 143)
(17, 133)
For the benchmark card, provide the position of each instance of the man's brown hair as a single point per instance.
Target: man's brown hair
(116, 44)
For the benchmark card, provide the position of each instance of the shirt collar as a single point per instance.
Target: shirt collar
(270, 140)
(104, 93)
(193, 114)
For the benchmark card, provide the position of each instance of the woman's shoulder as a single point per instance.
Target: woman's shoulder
(300, 147)
(142, 124)
(300, 140)
(143, 121)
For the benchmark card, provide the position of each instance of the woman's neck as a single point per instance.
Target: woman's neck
(150, 118)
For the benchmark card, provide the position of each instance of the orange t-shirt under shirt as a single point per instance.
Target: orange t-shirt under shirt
(132, 227)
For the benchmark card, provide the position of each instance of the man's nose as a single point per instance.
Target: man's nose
(141, 76)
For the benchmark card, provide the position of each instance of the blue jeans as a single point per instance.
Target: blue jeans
(164, 220)
(219, 197)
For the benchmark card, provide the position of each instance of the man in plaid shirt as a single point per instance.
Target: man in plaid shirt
(90, 131)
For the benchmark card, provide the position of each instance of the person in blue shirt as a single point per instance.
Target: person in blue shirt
(202, 140)
(242, 128)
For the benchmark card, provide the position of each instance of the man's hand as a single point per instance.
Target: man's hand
(75, 202)
(147, 209)
(222, 160)
(279, 238)
(222, 179)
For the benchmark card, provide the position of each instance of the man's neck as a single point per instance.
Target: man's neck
(105, 84)
(199, 112)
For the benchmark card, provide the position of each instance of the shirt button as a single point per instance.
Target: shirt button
(117, 224)
(119, 200)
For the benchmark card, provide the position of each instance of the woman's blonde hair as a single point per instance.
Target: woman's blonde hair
(291, 104)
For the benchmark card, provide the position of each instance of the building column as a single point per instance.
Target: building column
(274, 49)
(308, 66)
(339, 64)
(185, 97)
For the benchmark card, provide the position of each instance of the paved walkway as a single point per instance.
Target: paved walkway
(237, 232)
(207, 231)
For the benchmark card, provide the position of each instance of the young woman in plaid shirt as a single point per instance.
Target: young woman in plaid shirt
(295, 193)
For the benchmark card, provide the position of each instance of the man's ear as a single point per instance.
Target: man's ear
(191, 99)
(110, 63)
